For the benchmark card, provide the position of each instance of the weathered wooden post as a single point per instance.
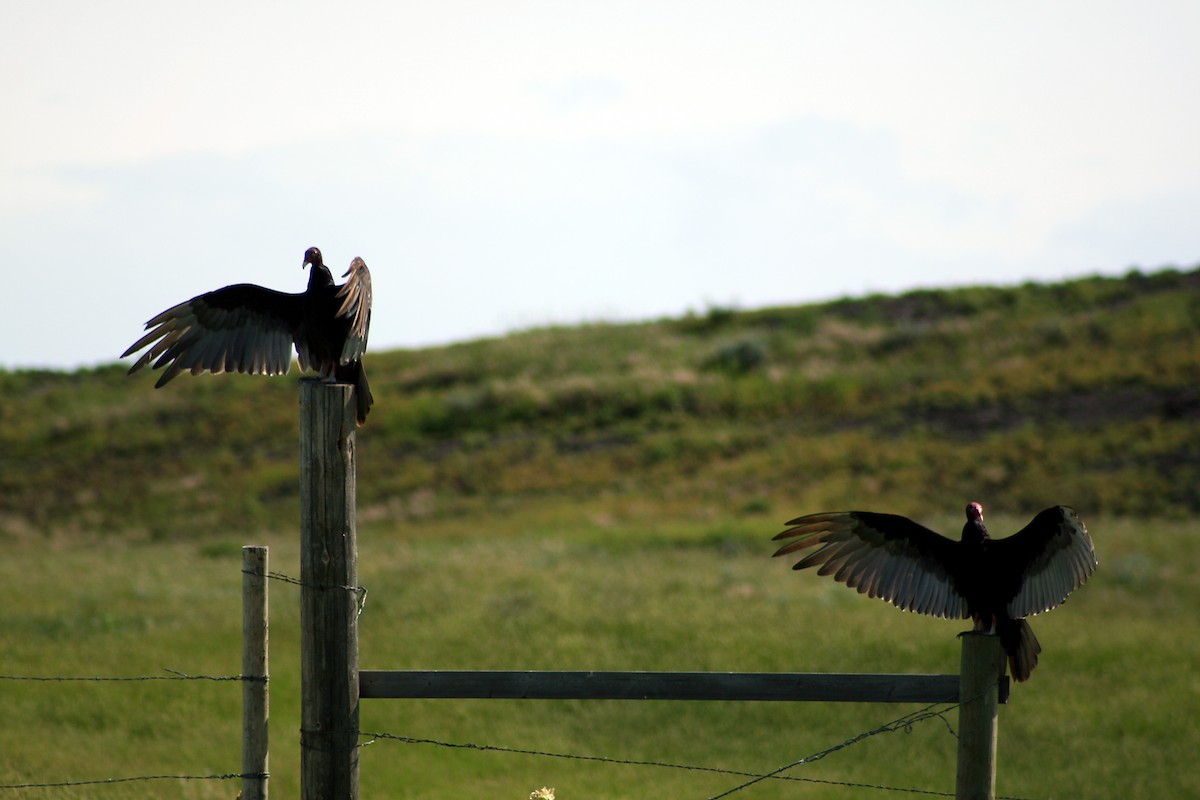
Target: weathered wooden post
(328, 599)
(979, 696)
(256, 699)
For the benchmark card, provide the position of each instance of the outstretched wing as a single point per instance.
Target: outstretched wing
(356, 307)
(241, 328)
(882, 555)
(1049, 558)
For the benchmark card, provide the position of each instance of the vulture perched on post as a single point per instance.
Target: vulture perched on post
(248, 328)
(997, 582)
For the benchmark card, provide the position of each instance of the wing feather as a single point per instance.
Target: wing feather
(240, 328)
(1051, 557)
(923, 602)
(861, 578)
(906, 590)
(356, 306)
(881, 555)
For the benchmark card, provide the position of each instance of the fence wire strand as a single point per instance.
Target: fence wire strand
(177, 676)
(373, 736)
(359, 591)
(136, 778)
(903, 723)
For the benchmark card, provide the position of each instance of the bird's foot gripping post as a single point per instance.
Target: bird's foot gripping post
(982, 686)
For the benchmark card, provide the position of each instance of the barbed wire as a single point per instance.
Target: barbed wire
(177, 676)
(360, 591)
(642, 763)
(903, 723)
(131, 779)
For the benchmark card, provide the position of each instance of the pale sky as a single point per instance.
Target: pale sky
(502, 165)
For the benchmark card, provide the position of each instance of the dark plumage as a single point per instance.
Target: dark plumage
(997, 582)
(247, 328)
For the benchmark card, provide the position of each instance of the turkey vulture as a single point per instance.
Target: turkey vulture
(248, 328)
(997, 582)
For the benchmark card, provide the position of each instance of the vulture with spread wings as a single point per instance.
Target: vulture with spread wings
(997, 582)
(248, 328)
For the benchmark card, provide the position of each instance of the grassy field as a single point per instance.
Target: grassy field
(603, 497)
(1086, 392)
(1109, 712)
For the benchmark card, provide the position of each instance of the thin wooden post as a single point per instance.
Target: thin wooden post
(328, 598)
(256, 699)
(982, 670)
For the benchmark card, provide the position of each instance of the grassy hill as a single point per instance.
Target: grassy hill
(602, 497)
(1086, 393)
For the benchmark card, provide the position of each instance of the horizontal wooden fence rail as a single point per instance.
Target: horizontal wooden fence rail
(547, 685)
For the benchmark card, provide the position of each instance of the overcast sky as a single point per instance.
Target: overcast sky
(501, 165)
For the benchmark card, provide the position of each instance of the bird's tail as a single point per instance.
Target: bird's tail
(354, 373)
(1021, 646)
(364, 399)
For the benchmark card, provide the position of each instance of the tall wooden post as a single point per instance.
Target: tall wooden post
(256, 699)
(979, 695)
(328, 599)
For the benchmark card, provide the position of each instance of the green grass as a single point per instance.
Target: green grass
(602, 497)
(1109, 711)
(1083, 392)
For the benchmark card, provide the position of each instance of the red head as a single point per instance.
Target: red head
(974, 512)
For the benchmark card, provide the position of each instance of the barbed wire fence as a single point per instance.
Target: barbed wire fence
(903, 723)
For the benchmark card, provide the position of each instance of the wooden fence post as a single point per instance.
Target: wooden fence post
(256, 699)
(328, 598)
(979, 695)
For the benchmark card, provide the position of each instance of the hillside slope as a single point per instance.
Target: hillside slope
(1085, 392)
